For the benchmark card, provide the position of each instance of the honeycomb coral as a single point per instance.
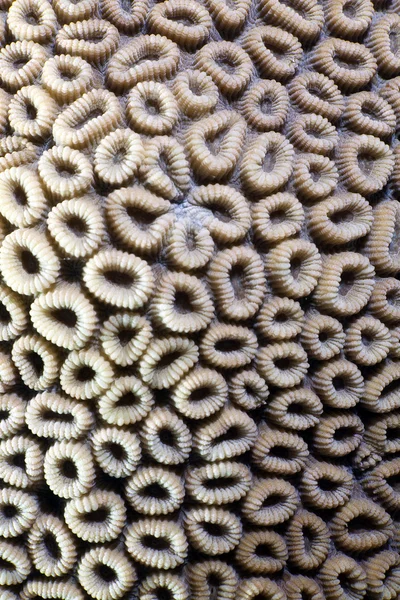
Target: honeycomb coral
(199, 300)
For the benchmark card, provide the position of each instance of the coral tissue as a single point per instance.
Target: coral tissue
(199, 300)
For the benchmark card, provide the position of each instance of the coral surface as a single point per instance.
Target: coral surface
(199, 300)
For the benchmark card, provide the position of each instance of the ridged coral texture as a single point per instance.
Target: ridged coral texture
(199, 300)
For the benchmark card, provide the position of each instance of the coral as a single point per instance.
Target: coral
(199, 299)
